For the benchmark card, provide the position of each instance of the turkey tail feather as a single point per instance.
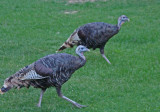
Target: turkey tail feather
(64, 46)
(15, 79)
(71, 41)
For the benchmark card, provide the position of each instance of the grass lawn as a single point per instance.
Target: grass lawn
(31, 29)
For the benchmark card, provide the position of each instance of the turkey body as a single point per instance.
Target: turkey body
(54, 70)
(95, 35)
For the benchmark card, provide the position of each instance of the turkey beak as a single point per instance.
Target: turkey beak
(88, 50)
(128, 19)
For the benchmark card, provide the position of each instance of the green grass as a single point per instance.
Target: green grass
(31, 29)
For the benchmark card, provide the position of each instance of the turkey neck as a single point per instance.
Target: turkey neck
(81, 55)
(119, 24)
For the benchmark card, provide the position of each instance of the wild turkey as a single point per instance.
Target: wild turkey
(94, 35)
(52, 70)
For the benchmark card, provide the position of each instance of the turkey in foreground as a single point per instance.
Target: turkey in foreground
(52, 70)
(94, 35)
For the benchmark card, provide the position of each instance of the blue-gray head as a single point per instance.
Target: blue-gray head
(81, 49)
(122, 19)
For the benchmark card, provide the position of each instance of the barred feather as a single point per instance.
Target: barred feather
(32, 75)
(71, 41)
(15, 79)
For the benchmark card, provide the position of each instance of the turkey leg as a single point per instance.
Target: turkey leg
(102, 53)
(40, 99)
(64, 97)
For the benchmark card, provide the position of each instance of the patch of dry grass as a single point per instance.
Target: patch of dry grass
(70, 12)
(80, 1)
(83, 1)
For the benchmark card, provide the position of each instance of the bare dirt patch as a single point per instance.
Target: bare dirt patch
(80, 1)
(70, 12)
(83, 1)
